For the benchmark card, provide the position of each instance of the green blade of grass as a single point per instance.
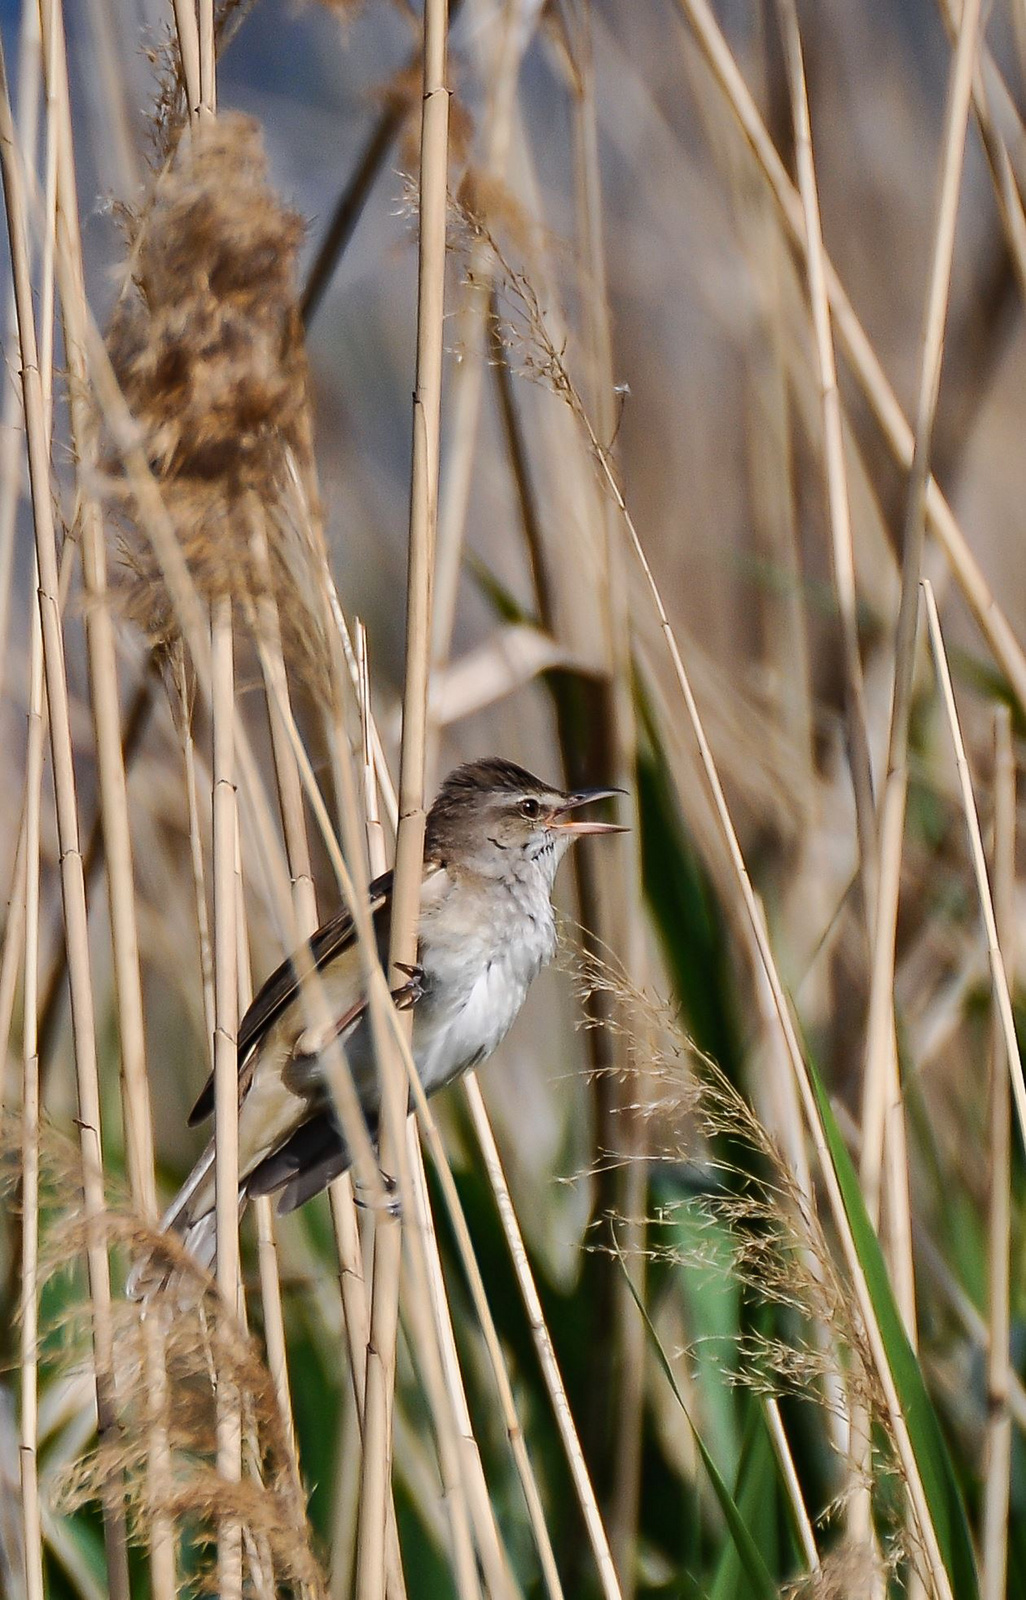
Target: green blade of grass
(931, 1452)
(756, 1571)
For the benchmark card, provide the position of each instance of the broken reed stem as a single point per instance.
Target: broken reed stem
(409, 862)
(29, 1366)
(207, 60)
(998, 1445)
(838, 504)
(187, 28)
(859, 352)
(72, 877)
(883, 1123)
(543, 1343)
(1002, 996)
(226, 1084)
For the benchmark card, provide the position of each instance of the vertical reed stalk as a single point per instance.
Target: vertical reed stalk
(370, 1572)
(883, 1132)
(107, 727)
(833, 455)
(998, 1450)
(30, 1507)
(999, 979)
(543, 1344)
(226, 1090)
(614, 894)
(72, 877)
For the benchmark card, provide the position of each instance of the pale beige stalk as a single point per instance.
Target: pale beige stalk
(543, 1344)
(107, 727)
(72, 878)
(377, 1438)
(838, 504)
(1002, 996)
(29, 1303)
(500, 72)
(998, 1446)
(615, 891)
(883, 1124)
(785, 1461)
(29, 79)
(226, 1074)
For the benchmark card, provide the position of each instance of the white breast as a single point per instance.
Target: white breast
(480, 955)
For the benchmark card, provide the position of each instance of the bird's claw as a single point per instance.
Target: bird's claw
(409, 992)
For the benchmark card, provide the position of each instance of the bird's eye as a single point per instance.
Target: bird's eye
(530, 807)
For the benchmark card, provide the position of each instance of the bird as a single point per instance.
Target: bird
(494, 838)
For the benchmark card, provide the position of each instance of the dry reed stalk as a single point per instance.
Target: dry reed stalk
(838, 504)
(206, 960)
(10, 959)
(72, 878)
(29, 80)
(859, 352)
(1002, 996)
(616, 891)
(501, 74)
(785, 1461)
(113, 800)
(431, 1332)
(226, 1074)
(370, 1566)
(497, 1361)
(207, 60)
(998, 1446)
(883, 1166)
(543, 1344)
(187, 29)
(29, 1306)
(1002, 171)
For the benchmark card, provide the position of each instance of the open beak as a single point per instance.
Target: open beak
(585, 797)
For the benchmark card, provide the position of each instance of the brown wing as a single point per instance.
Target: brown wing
(283, 985)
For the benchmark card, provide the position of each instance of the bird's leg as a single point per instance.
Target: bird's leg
(392, 1204)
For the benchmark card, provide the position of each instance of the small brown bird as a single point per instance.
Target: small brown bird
(495, 836)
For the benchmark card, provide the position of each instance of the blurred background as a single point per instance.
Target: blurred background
(630, 225)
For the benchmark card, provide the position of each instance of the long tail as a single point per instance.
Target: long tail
(192, 1217)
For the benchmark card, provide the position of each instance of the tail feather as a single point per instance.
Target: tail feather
(192, 1218)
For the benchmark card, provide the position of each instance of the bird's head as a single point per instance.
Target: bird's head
(495, 818)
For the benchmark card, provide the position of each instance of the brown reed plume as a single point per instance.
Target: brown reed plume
(205, 1347)
(207, 345)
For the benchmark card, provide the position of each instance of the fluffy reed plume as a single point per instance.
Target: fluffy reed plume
(207, 344)
(204, 1349)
